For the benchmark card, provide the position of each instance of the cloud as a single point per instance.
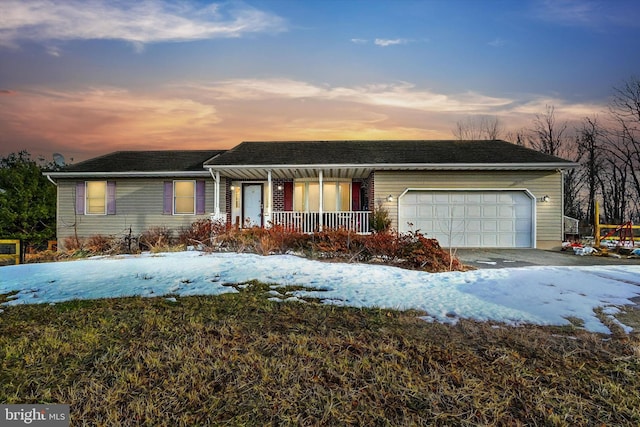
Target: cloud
(398, 95)
(85, 122)
(594, 14)
(97, 118)
(138, 22)
(359, 41)
(390, 42)
(497, 42)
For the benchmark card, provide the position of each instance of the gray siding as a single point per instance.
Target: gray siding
(539, 183)
(139, 206)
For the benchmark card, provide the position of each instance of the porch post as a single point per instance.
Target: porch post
(216, 195)
(320, 213)
(269, 199)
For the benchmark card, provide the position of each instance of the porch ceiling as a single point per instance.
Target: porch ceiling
(260, 173)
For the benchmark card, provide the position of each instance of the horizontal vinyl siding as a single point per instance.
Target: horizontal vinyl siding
(539, 183)
(139, 205)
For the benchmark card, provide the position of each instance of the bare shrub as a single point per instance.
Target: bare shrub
(99, 244)
(198, 233)
(73, 243)
(156, 239)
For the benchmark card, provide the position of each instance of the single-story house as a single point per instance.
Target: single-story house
(464, 193)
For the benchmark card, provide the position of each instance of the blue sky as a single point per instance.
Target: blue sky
(88, 77)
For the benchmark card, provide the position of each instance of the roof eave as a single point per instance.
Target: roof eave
(413, 166)
(156, 174)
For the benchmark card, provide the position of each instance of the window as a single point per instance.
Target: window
(184, 197)
(184, 200)
(96, 203)
(96, 198)
(336, 196)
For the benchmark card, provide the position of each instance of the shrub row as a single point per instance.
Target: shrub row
(409, 250)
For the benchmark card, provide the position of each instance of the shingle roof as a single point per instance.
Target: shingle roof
(379, 153)
(146, 161)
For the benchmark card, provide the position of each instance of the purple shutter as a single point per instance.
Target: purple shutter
(168, 198)
(200, 191)
(111, 198)
(80, 198)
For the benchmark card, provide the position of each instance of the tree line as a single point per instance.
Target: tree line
(606, 146)
(27, 200)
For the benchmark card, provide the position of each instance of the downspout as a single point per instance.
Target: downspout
(321, 194)
(562, 173)
(51, 179)
(269, 198)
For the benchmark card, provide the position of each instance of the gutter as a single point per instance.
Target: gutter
(129, 174)
(50, 179)
(416, 166)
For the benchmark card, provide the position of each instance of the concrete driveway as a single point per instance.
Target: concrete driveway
(505, 258)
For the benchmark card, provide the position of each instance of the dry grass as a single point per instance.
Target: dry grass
(239, 359)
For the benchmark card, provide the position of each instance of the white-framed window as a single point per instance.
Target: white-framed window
(336, 196)
(184, 197)
(96, 197)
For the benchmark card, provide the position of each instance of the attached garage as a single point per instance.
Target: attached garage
(470, 218)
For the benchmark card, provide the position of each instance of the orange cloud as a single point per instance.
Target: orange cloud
(85, 123)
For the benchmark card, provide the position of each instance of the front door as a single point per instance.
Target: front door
(252, 205)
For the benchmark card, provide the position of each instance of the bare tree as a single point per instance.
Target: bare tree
(478, 127)
(612, 181)
(625, 110)
(548, 136)
(590, 144)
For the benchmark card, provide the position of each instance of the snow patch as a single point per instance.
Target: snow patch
(515, 296)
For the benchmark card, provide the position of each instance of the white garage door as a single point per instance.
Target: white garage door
(471, 219)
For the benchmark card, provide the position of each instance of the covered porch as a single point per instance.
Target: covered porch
(300, 199)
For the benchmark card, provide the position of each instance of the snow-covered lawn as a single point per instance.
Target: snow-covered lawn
(537, 295)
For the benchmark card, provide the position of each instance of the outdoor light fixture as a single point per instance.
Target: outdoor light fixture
(389, 198)
(233, 187)
(545, 198)
(279, 187)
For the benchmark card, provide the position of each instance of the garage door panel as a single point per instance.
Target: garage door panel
(470, 218)
(490, 211)
(474, 240)
(423, 198)
(506, 226)
(458, 199)
(474, 211)
(523, 226)
(441, 198)
(473, 226)
(505, 240)
(489, 198)
(489, 226)
(489, 240)
(506, 211)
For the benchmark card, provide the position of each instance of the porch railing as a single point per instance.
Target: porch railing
(308, 222)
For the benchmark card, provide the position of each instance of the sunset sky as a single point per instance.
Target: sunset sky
(87, 77)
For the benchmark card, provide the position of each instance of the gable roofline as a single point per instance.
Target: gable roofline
(141, 163)
(383, 154)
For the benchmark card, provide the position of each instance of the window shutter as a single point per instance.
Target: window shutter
(168, 198)
(111, 198)
(288, 196)
(80, 198)
(355, 196)
(200, 192)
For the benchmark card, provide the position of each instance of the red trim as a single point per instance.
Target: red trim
(288, 196)
(355, 196)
